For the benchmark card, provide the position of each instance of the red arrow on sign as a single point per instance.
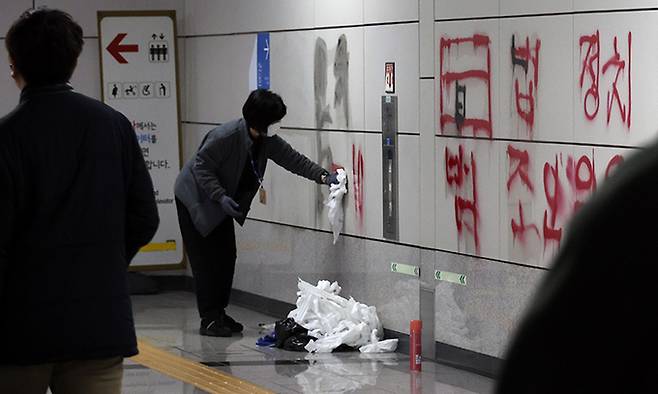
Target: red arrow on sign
(115, 48)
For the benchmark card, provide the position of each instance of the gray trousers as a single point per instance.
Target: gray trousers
(73, 377)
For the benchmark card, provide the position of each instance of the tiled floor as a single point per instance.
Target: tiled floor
(170, 321)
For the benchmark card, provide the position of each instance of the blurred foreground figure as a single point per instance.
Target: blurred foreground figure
(76, 204)
(592, 326)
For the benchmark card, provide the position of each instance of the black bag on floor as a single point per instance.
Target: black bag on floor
(297, 343)
(290, 335)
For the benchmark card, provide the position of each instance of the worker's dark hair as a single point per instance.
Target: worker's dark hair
(262, 109)
(44, 45)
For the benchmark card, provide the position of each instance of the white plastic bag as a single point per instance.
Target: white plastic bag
(385, 346)
(335, 203)
(335, 320)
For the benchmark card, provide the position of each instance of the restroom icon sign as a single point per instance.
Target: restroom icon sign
(147, 89)
(158, 49)
(130, 90)
(162, 89)
(115, 90)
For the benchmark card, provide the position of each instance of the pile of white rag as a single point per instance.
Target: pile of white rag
(335, 320)
(335, 203)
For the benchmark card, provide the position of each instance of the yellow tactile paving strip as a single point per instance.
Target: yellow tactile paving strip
(191, 372)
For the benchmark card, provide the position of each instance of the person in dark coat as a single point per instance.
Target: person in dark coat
(76, 204)
(217, 186)
(592, 326)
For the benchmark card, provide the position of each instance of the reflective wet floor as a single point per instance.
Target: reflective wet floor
(170, 321)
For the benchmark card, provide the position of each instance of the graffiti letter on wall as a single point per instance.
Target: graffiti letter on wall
(554, 199)
(341, 73)
(358, 174)
(466, 208)
(524, 57)
(341, 107)
(615, 61)
(456, 82)
(519, 228)
(591, 66)
(521, 170)
(322, 111)
(612, 165)
(582, 178)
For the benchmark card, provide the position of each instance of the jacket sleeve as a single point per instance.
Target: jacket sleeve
(7, 218)
(287, 157)
(142, 218)
(206, 163)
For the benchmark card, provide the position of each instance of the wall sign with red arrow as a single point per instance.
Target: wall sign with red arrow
(116, 48)
(139, 78)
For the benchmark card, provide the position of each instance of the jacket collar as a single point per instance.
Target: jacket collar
(245, 128)
(29, 91)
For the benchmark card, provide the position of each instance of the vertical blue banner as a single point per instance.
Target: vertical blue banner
(263, 61)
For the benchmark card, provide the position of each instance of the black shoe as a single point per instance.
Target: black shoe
(215, 328)
(232, 324)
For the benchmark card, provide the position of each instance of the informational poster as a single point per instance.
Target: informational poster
(139, 79)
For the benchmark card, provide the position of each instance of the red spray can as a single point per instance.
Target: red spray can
(415, 351)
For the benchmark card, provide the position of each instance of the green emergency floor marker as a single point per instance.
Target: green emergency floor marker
(405, 269)
(451, 277)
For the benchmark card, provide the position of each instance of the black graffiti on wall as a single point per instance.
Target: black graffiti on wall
(341, 107)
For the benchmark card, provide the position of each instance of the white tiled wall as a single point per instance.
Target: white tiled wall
(10, 11)
(291, 76)
(514, 7)
(446, 9)
(377, 11)
(9, 93)
(227, 16)
(588, 5)
(217, 76)
(86, 76)
(338, 12)
(398, 44)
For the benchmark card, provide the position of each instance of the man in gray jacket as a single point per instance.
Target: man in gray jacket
(217, 186)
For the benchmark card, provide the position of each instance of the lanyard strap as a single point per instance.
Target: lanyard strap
(253, 167)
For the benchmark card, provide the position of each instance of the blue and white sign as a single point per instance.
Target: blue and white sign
(263, 61)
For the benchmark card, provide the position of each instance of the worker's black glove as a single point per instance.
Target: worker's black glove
(230, 207)
(330, 179)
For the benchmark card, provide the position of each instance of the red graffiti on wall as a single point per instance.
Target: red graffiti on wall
(591, 71)
(526, 58)
(519, 162)
(616, 62)
(454, 82)
(458, 171)
(591, 67)
(581, 178)
(612, 165)
(358, 174)
(519, 228)
(555, 200)
(522, 159)
(581, 174)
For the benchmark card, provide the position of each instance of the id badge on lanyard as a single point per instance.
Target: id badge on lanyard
(262, 193)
